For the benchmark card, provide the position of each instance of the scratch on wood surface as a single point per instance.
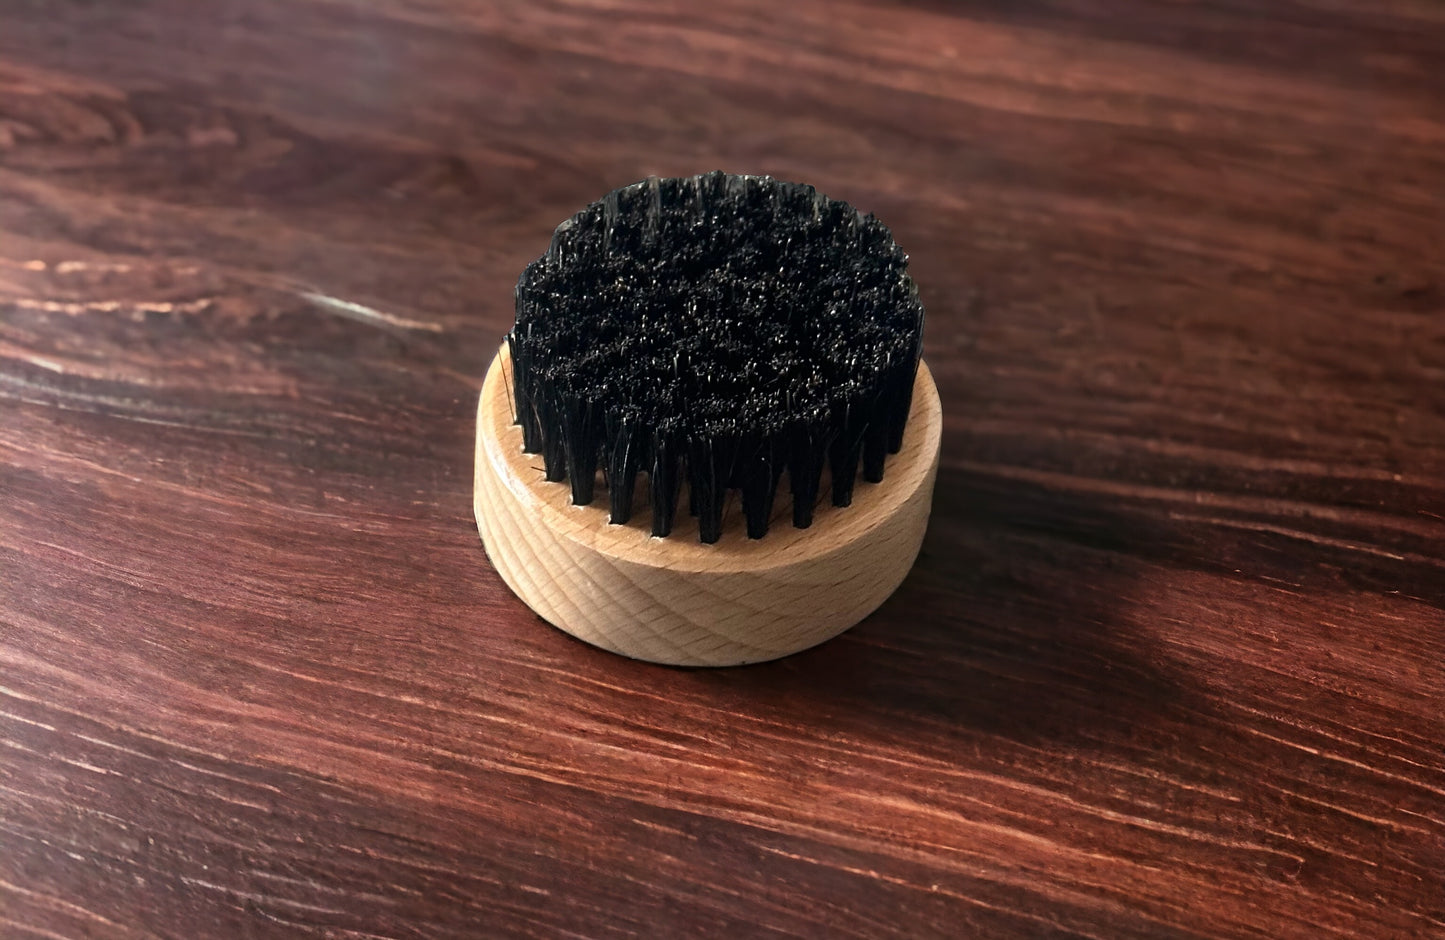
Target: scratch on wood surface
(365, 314)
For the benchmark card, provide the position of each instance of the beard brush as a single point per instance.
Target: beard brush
(742, 347)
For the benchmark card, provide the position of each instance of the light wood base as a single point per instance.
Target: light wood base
(678, 601)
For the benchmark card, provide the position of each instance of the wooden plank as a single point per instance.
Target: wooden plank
(1170, 663)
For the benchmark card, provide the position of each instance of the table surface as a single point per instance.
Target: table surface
(1170, 662)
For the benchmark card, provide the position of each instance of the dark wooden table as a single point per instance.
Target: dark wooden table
(1170, 663)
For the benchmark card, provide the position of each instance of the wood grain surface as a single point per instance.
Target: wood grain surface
(1170, 662)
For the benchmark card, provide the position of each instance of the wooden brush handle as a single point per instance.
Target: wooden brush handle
(674, 600)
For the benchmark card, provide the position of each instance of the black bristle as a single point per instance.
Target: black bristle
(760, 468)
(582, 432)
(623, 459)
(807, 455)
(710, 462)
(543, 396)
(719, 330)
(664, 479)
(875, 446)
(526, 414)
(843, 455)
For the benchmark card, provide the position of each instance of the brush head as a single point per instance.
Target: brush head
(718, 330)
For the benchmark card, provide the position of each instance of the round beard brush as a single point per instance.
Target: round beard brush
(735, 346)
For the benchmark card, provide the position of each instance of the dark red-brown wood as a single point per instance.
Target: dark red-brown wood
(1170, 663)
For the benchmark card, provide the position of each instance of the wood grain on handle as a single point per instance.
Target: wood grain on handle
(676, 600)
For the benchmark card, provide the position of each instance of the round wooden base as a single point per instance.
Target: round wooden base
(674, 600)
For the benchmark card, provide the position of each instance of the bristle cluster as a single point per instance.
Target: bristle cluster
(716, 330)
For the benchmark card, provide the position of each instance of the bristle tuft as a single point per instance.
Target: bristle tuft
(718, 330)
